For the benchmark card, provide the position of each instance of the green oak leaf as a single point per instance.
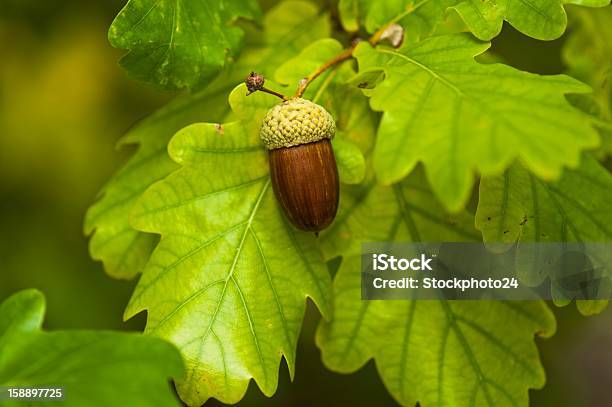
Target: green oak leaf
(177, 44)
(123, 250)
(229, 279)
(350, 12)
(519, 207)
(541, 19)
(95, 368)
(437, 353)
(455, 115)
(418, 17)
(433, 352)
(588, 55)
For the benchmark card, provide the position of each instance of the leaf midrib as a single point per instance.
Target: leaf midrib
(231, 275)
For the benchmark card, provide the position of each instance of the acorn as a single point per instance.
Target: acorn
(298, 133)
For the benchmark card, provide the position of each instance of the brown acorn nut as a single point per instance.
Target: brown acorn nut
(303, 168)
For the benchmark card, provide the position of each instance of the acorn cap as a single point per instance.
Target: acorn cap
(294, 122)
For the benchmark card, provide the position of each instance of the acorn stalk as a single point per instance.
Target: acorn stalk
(303, 168)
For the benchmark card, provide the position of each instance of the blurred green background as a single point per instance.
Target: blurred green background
(64, 102)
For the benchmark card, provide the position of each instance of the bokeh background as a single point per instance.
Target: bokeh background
(64, 103)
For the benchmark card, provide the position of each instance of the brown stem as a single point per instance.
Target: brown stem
(271, 92)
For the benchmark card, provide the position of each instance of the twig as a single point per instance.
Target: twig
(341, 57)
(255, 82)
(271, 92)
